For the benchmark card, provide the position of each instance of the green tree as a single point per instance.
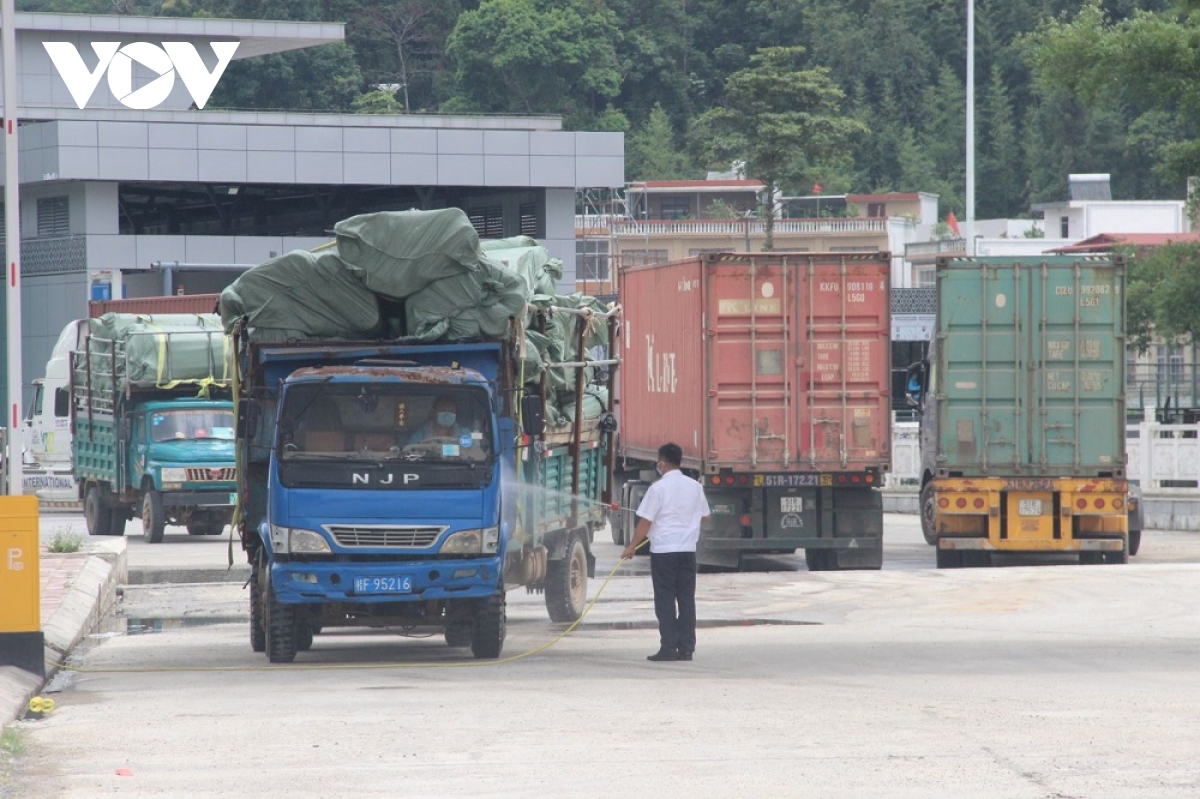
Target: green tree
(1146, 61)
(653, 151)
(376, 101)
(1164, 295)
(1000, 170)
(403, 42)
(781, 120)
(536, 57)
(322, 78)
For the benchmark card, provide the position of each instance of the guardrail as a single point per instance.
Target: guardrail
(1158, 456)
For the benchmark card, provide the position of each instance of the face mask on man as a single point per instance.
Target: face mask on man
(445, 418)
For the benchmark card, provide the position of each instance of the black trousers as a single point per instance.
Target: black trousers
(674, 578)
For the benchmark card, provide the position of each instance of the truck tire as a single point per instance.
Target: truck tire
(154, 518)
(817, 560)
(458, 636)
(258, 630)
(281, 628)
(566, 582)
(927, 511)
(487, 629)
(1135, 541)
(96, 513)
(949, 559)
(304, 637)
(120, 516)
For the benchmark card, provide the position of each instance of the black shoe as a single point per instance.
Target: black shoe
(663, 654)
(684, 656)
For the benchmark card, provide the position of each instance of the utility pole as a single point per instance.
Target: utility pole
(969, 227)
(12, 244)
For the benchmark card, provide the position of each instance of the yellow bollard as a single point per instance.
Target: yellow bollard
(22, 643)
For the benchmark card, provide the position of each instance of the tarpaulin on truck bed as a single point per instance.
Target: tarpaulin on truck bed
(421, 276)
(303, 296)
(165, 350)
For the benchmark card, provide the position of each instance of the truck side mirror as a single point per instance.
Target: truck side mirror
(247, 419)
(915, 383)
(533, 421)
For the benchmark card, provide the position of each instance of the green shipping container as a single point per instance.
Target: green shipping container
(1030, 366)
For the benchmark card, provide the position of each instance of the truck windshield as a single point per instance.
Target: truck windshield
(390, 421)
(191, 424)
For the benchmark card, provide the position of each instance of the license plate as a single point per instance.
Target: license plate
(791, 505)
(382, 585)
(1029, 507)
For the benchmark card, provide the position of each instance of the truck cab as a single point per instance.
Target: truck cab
(381, 502)
(46, 428)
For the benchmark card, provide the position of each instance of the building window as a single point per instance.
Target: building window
(1064, 227)
(675, 207)
(643, 257)
(53, 217)
(488, 222)
(925, 278)
(592, 259)
(529, 220)
(876, 210)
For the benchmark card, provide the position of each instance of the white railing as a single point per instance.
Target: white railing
(738, 227)
(1159, 456)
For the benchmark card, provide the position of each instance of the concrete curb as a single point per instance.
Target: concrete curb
(240, 573)
(92, 597)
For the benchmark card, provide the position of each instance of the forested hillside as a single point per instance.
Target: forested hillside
(655, 68)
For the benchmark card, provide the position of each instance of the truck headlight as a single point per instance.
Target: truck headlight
(294, 541)
(173, 475)
(472, 542)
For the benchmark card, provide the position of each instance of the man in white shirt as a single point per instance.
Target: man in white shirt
(670, 515)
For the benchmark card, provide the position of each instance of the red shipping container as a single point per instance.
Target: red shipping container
(177, 303)
(768, 362)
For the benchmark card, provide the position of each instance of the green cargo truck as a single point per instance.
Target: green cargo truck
(1023, 410)
(152, 424)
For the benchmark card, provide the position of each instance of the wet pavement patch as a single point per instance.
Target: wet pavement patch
(703, 624)
(149, 626)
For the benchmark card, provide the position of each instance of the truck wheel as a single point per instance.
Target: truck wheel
(927, 511)
(487, 630)
(817, 560)
(119, 517)
(98, 516)
(458, 636)
(566, 582)
(304, 637)
(154, 519)
(949, 559)
(258, 631)
(1135, 541)
(281, 628)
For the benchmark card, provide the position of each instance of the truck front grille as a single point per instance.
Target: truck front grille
(377, 536)
(218, 474)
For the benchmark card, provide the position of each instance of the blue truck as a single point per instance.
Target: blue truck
(362, 503)
(152, 424)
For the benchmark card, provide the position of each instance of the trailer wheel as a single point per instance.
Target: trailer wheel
(818, 560)
(566, 582)
(458, 636)
(99, 518)
(258, 631)
(1135, 541)
(927, 512)
(949, 559)
(487, 629)
(154, 518)
(281, 628)
(1118, 557)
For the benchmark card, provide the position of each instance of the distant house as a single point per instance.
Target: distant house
(1107, 242)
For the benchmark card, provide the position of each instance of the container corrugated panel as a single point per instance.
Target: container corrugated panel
(178, 303)
(1031, 366)
(765, 362)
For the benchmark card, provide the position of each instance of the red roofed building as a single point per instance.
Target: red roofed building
(1107, 242)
